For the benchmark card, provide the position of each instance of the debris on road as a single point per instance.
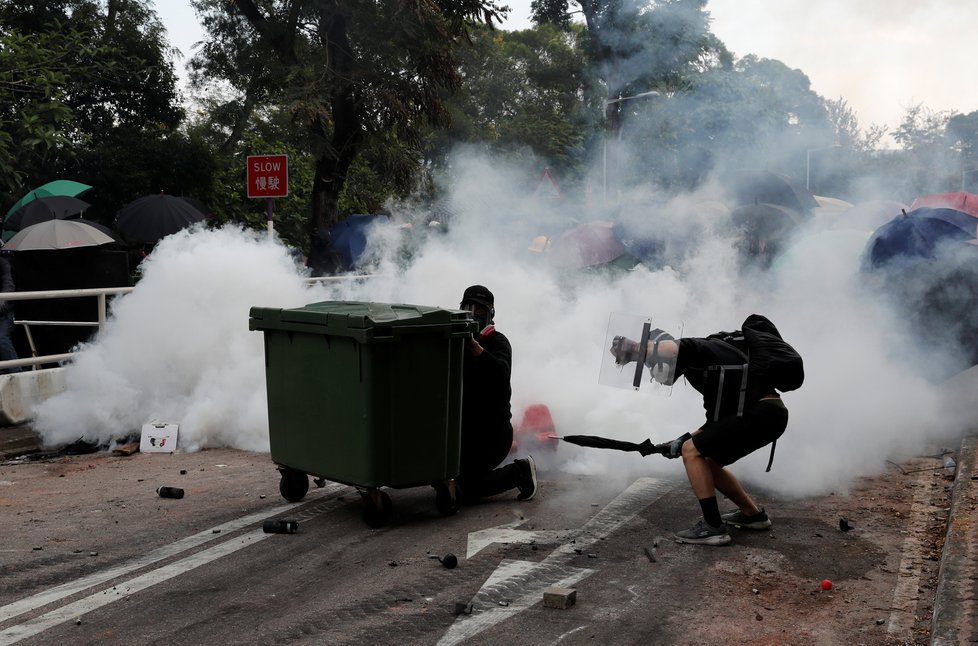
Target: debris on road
(560, 598)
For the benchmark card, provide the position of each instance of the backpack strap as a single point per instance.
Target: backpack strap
(770, 460)
(743, 376)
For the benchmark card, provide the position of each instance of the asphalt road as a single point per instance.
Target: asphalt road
(91, 555)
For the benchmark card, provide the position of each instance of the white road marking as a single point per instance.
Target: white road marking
(568, 634)
(517, 585)
(122, 590)
(509, 534)
(57, 593)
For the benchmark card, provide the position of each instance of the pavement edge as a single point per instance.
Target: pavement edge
(955, 619)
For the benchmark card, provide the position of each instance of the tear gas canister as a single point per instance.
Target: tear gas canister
(278, 526)
(169, 492)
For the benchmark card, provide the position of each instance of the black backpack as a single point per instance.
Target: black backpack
(771, 362)
(770, 359)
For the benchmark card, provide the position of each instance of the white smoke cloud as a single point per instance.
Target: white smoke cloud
(178, 348)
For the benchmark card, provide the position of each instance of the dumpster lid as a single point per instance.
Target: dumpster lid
(358, 315)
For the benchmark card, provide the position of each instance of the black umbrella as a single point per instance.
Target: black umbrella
(595, 442)
(767, 187)
(52, 207)
(153, 217)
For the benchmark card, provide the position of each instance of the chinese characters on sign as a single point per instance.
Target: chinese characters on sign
(268, 176)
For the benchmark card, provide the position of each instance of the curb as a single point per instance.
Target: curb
(955, 619)
(18, 440)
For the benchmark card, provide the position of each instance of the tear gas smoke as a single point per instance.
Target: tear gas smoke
(178, 348)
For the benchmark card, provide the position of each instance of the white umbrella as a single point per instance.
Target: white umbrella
(57, 234)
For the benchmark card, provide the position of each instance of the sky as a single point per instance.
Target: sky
(881, 56)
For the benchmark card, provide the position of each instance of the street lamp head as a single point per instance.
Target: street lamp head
(622, 99)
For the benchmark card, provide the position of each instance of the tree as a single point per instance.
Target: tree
(352, 73)
(524, 96)
(101, 90)
(929, 157)
(755, 113)
(962, 134)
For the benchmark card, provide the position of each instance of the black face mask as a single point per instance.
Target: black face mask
(482, 318)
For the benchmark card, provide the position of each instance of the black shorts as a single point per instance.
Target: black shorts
(731, 438)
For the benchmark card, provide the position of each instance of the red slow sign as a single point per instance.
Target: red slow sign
(268, 176)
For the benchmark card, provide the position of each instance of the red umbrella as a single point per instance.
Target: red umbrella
(959, 201)
(586, 245)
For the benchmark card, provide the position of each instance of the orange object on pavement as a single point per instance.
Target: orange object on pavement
(534, 431)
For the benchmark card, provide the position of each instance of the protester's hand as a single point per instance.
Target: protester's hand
(624, 350)
(673, 448)
(475, 348)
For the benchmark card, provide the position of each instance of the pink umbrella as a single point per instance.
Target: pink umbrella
(586, 245)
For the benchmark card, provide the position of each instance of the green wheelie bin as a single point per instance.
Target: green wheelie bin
(365, 394)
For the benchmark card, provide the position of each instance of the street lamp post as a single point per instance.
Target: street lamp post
(808, 163)
(617, 129)
(965, 175)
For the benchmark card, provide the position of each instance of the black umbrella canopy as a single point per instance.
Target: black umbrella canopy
(768, 187)
(44, 208)
(597, 442)
(153, 217)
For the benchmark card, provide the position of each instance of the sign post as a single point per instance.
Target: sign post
(268, 177)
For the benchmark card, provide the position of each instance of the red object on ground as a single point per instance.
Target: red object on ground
(826, 584)
(534, 431)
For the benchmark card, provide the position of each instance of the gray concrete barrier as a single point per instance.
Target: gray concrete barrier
(21, 392)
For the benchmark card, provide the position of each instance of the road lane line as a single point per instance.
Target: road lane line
(56, 593)
(121, 590)
(517, 585)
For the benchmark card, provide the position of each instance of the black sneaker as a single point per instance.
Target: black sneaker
(703, 534)
(742, 521)
(528, 479)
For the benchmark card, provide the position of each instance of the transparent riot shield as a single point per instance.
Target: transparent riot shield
(626, 369)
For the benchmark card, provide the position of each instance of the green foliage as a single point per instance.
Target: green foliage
(962, 135)
(522, 98)
(87, 92)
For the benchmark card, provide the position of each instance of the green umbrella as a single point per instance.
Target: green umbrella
(57, 187)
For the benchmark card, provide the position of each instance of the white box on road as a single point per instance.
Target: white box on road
(158, 438)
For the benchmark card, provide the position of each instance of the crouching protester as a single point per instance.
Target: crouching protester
(739, 375)
(487, 429)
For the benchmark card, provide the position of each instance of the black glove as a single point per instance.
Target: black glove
(624, 350)
(674, 448)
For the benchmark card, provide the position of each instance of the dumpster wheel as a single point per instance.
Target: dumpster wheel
(294, 485)
(448, 497)
(377, 507)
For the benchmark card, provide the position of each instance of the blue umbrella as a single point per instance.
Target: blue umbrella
(348, 238)
(918, 235)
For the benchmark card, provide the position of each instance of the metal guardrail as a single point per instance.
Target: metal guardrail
(100, 293)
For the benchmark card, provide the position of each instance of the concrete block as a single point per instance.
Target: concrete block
(561, 598)
(21, 392)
